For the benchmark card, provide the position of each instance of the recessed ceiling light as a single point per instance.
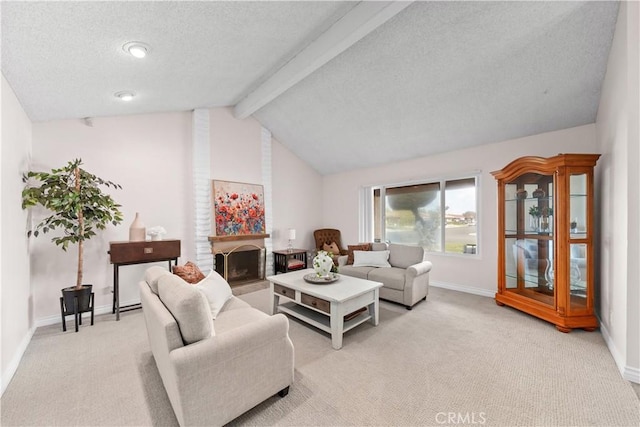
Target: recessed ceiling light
(125, 95)
(136, 49)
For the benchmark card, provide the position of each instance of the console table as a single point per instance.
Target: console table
(129, 253)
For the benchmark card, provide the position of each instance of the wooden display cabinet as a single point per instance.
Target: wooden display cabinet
(545, 238)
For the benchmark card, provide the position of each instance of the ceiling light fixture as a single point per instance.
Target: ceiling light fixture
(136, 49)
(125, 95)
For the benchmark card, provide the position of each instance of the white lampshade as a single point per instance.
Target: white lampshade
(292, 234)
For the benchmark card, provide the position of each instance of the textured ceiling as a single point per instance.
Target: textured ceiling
(435, 77)
(65, 59)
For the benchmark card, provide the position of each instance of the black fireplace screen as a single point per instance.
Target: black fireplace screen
(242, 266)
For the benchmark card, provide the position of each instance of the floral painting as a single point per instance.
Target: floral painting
(238, 208)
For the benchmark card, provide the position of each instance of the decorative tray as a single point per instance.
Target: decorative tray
(321, 280)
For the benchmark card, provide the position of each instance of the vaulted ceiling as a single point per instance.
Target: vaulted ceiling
(344, 85)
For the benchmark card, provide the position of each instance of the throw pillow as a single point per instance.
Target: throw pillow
(371, 259)
(333, 248)
(217, 291)
(189, 272)
(404, 256)
(152, 275)
(360, 247)
(188, 306)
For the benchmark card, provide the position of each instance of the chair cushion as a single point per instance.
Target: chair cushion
(360, 272)
(152, 275)
(229, 320)
(234, 303)
(379, 246)
(404, 256)
(359, 247)
(188, 306)
(392, 277)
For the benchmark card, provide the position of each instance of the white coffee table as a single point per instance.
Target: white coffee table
(326, 305)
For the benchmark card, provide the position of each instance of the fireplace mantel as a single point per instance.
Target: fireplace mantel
(237, 238)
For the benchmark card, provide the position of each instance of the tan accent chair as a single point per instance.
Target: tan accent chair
(328, 235)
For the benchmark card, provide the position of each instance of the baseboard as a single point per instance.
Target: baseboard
(629, 373)
(8, 374)
(103, 309)
(462, 288)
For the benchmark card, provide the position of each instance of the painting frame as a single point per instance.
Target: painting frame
(238, 208)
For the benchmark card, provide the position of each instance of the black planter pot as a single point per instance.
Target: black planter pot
(84, 298)
(75, 302)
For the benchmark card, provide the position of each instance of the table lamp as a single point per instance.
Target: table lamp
(292, 237)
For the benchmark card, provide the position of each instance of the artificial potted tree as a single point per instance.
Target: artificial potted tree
(79, 207)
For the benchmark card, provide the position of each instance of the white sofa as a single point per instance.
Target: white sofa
(406, 281)
(213, 371)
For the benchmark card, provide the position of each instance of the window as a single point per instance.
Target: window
(427, 214)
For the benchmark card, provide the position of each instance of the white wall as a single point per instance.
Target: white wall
(236, 156)
(472, 274)
(235, 147)
(16, 307)
(149, 155)
(618, 185)
(297, 199)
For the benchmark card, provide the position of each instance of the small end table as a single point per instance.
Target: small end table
(284, 260)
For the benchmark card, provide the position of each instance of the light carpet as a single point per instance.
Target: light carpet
(455, 359)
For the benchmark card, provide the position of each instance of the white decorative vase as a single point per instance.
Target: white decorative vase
(137, 231)
(322, 264)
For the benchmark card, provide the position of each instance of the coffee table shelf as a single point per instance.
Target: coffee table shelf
(319, 320)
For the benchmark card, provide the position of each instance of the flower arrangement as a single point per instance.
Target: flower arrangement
(156, 232)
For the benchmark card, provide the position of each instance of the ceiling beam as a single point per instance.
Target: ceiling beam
(365, 17)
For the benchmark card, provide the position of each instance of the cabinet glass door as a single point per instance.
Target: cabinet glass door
(578, 275)
(528, 234)
(578, 206)
(578, 241)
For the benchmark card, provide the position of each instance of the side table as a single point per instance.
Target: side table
(286, 260)
(129, 253)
